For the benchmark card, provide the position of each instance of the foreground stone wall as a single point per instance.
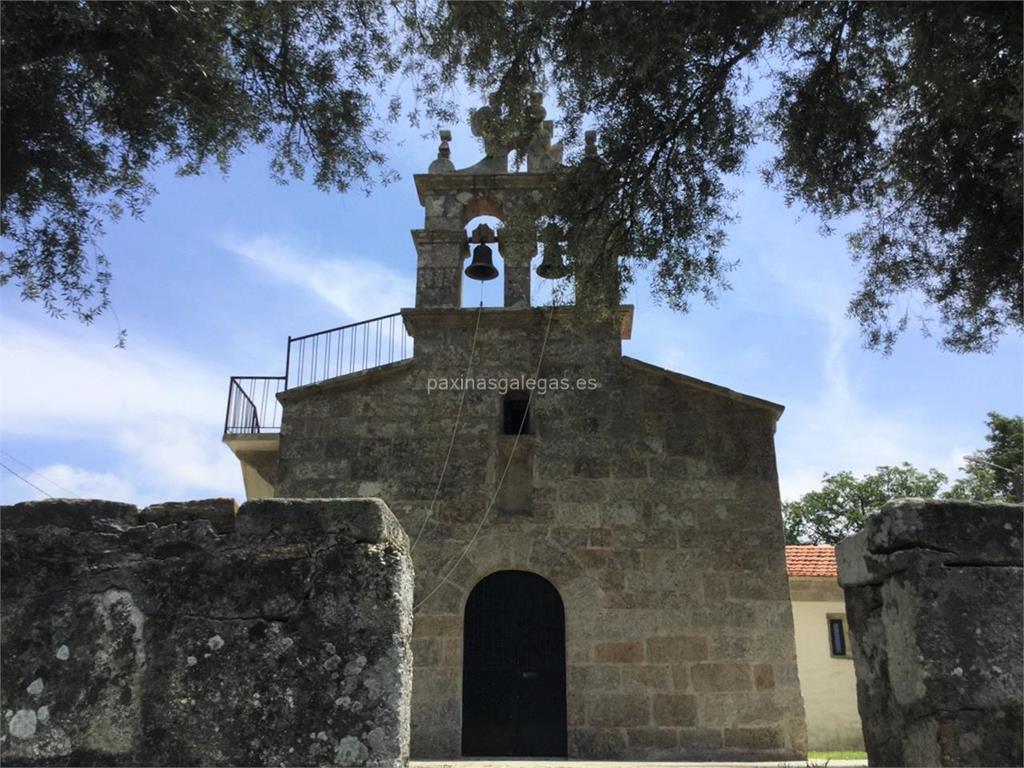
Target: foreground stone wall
(650, 502)
(183, 634)
(933, 599)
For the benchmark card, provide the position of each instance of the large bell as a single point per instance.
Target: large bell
(482, 266)
(552, 265)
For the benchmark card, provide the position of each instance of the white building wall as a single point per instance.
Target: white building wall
(827, 683)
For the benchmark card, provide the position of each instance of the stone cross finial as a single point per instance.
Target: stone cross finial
(501, 135)
(487, 124)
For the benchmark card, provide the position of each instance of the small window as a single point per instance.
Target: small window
(837, 636)
(516, 412)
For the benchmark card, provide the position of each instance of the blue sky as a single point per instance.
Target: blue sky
(221, 270)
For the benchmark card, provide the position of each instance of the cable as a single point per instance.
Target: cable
(501, 480)
(455, 429)
(28, 482)
(38, 474)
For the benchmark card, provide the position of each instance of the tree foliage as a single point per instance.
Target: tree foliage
(840, 508)
(907, 115)
(96, 94)
(996, 472)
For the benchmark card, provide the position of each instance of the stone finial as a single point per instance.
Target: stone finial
(483, 234)
(537, 111)
(590, 138)
(443, 163)
(487, 124)
(500, 136)
(542, 155)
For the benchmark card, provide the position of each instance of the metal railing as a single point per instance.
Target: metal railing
(346, 349)
(253, 408)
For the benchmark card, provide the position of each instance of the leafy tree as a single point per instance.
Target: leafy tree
(95, 94)
(840, 508)
(995, 473)
(906, 114)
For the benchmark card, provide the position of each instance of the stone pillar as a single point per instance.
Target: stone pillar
(596, 276)
(933, 600)
(517, 249)
(440, 256)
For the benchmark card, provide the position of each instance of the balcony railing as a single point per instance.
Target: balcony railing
(252, 405)
(253, 408)
(346, 349)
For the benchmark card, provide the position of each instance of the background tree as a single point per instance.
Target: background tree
(96, 94)
(907, 115)
(996, 472)
(839, 509)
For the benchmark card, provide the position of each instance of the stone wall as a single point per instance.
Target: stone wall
(650, 502)
(933, 599)
(183, 634)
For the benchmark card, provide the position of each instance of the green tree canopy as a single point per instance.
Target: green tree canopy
(840, 507)
(95, 94)
(996, 472)
(905, 114)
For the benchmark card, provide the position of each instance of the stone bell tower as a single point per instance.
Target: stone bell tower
(451, 198)
(598, 549)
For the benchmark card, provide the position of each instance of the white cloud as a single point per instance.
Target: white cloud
(141, 424)
(360, 288)
(63, 480)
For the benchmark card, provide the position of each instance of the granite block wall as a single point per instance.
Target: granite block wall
(182, 634)
(649, 501)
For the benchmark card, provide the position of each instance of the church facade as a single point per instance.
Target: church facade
(600, 568)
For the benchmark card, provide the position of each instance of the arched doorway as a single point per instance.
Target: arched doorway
(513, 668)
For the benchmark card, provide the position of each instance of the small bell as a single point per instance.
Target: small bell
(482, 266)
(552, 266)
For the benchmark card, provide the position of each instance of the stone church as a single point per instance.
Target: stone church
(598, 547)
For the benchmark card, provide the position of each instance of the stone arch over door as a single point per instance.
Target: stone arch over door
(513, 673)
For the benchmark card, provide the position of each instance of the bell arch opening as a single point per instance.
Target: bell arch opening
(489, 292)
(481, 207)
(513, 669)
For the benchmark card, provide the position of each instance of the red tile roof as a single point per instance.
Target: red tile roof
(811, 560)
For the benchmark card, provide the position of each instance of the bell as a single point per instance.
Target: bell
(552, 266)
(482, 266)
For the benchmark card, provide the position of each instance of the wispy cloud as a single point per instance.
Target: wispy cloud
(805, 353)
(140, 424)
(837, 427)
(360, 288)
(63, 480)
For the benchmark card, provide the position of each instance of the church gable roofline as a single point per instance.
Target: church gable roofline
(368, 376)
(755, 402)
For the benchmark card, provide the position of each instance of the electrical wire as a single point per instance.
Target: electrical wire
(26, 481)
(38, 474)
(501, 479)
(455, 428)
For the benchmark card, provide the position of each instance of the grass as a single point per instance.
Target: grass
(841, 754)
